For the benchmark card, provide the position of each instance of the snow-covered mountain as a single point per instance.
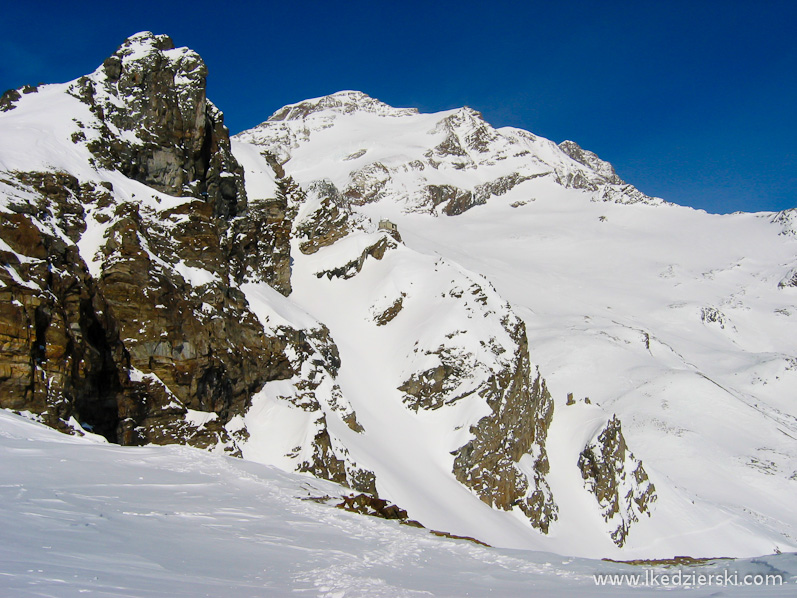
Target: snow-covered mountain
(446, 162)
(623, 304)
(492, 331)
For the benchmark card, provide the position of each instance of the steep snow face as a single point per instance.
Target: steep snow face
(435, 365)
(440, 163)
(439, 345)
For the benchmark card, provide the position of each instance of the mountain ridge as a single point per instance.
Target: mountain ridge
(464, 141)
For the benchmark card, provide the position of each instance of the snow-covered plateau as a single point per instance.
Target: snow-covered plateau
(352, 301)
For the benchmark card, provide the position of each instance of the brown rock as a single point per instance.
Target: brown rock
(519, 424)
(617, 479)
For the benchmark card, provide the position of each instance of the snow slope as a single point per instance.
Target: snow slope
(82, 517)
(622, 311)
(677, 321)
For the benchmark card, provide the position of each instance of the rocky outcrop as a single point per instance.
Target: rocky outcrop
(375, 507)
(787, 219)
(8, 101)
(155, 125)
(259, 244)
(789, 281)
(465, 133)
(386, 316)
(62, 356)
(490, 464)
(456, 200)
(500, 186)
(183, 321)
(375, 250)
(367, 184)
(599, 177)
(327, 221)
(591, 161)
(617, 479)
(134, 349)
(504, 462)
(713, 316)
(332, 462)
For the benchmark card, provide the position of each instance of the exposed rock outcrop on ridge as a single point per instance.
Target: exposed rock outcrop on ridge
(123, 313)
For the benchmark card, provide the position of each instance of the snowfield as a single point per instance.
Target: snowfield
(672, 319)
(82, 517)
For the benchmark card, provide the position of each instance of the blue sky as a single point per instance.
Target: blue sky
(695, 102)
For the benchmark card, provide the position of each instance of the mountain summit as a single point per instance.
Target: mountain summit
(439, 163)
(343, 102)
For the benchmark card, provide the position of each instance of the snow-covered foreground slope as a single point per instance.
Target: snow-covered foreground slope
(82, 517)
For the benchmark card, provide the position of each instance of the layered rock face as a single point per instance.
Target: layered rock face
(522, 410)
(63, 357)
(123, 312)
(134, 343)
(155, 124)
